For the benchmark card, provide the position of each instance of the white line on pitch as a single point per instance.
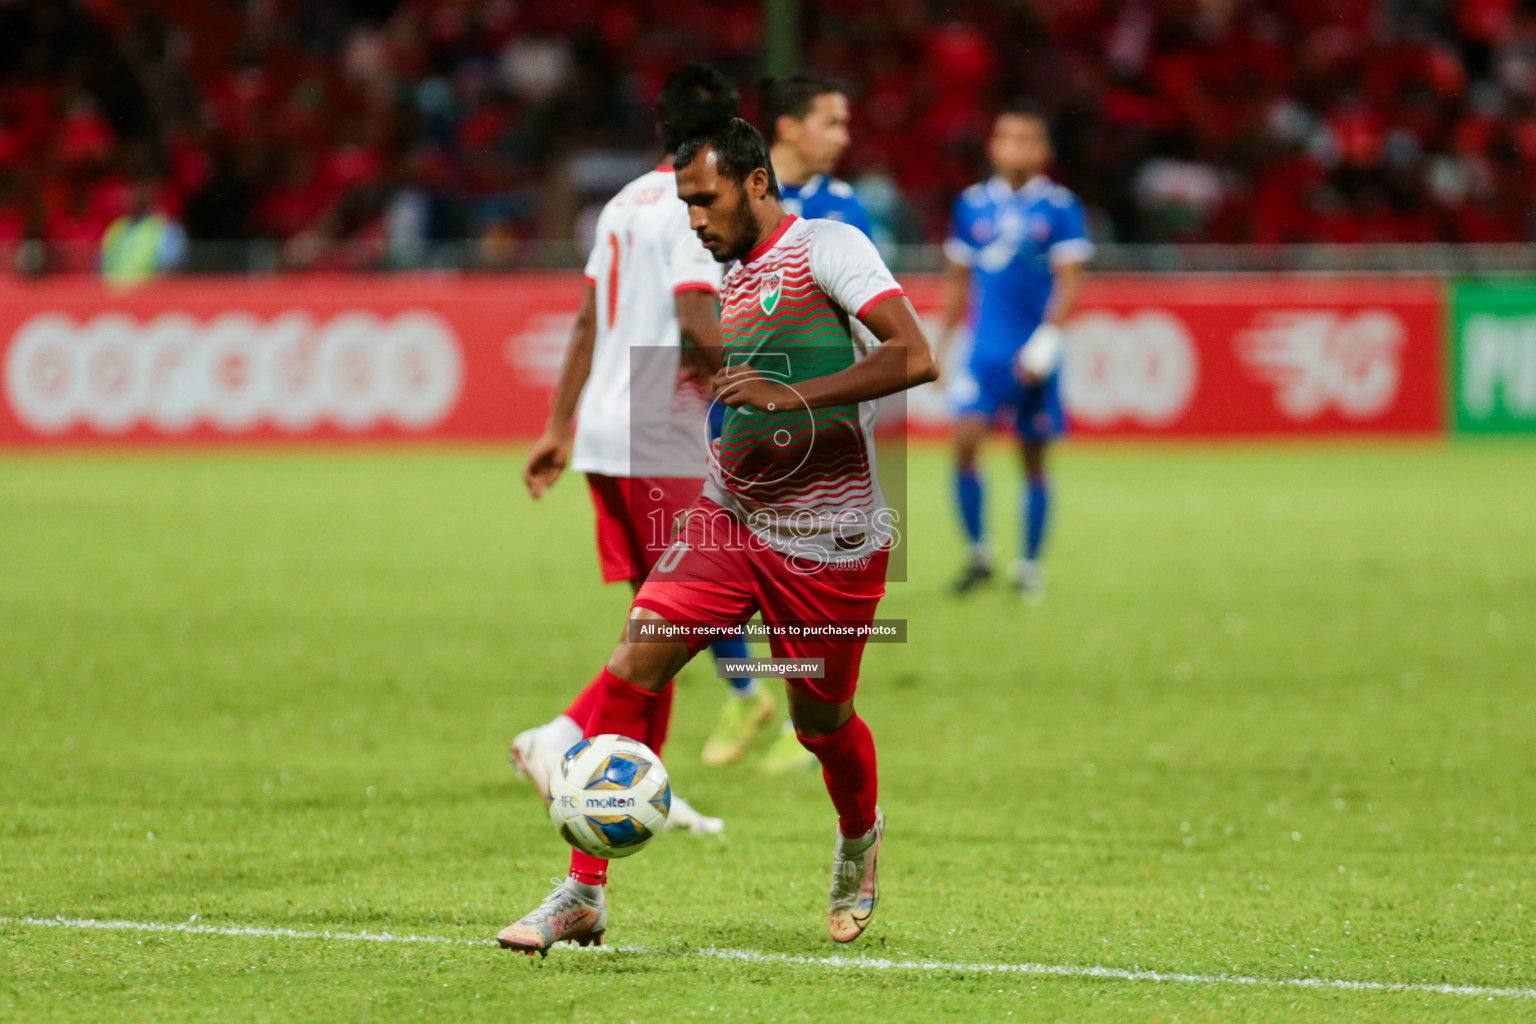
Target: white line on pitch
(190, 928)
(1112, 973)
(847, 962)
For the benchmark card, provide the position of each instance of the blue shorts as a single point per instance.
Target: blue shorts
(716, 419)
(988, 391)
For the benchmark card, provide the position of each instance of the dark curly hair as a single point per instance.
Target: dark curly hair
(739, 150)
(694, 99)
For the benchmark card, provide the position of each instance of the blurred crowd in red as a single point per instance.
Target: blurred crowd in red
(397, 125)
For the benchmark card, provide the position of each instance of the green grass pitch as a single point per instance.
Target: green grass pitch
(1276, 718)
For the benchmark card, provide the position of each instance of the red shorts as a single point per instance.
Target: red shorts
(705, 583)
(635, 516)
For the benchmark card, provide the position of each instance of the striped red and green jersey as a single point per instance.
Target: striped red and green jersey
(803, 479)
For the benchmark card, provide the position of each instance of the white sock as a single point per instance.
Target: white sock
(746, 692)
(563, 732)
(590, 893)
(855, 845)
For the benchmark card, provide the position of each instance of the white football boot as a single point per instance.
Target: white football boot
(1029, 580)
(535, 753)
(573, 912)
(684, 817)
(855, 882)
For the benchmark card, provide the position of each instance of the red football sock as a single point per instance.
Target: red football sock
(624, 709)
(661, 718)
(847, 759)
(585, 703)
(589, 869)
(627, 710)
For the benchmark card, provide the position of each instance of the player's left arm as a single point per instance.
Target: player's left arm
(849, 270)
(1070, 250)
(902, 360)
(1066, 289)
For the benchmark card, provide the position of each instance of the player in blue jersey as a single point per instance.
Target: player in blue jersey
(805, 120)
(1016, 256)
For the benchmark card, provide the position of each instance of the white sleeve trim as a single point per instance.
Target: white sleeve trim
(958, 252)
(689, 264)
(847, 266)
(1070, 250)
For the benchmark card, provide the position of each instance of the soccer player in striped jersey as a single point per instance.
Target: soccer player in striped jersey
(1016, 253)
(792, 522)
(806, 120)
(622, 411)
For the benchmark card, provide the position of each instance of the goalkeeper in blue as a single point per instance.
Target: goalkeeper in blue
(1015, 257)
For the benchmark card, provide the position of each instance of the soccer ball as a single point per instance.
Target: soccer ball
(610, 797)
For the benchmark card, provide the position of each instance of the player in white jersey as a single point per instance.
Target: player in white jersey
(632, 401)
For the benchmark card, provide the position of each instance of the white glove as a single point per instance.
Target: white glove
(1041, 355)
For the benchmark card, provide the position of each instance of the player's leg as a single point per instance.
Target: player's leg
(535, 752)
(827, 725)
(841, 741)
(749, 707)
(786, 754)
(634, 700)
(683, 817)
(970, 498)
(1037, 503)
(629, 689)
(974, 409)
(700, 586)
(1039, 421)
(635, 519)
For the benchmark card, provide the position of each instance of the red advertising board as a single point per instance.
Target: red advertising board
(1243, 355)
(393, 357)
(325, 358)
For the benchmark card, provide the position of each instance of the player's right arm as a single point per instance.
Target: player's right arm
(698, 321)
(695, 279)
(552, 451)
(1069, 253)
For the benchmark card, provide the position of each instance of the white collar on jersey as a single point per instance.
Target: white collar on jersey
(1001, 190)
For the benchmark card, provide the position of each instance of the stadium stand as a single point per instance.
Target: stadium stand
(397, 126)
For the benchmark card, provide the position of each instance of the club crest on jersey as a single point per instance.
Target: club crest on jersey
(773, 286)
